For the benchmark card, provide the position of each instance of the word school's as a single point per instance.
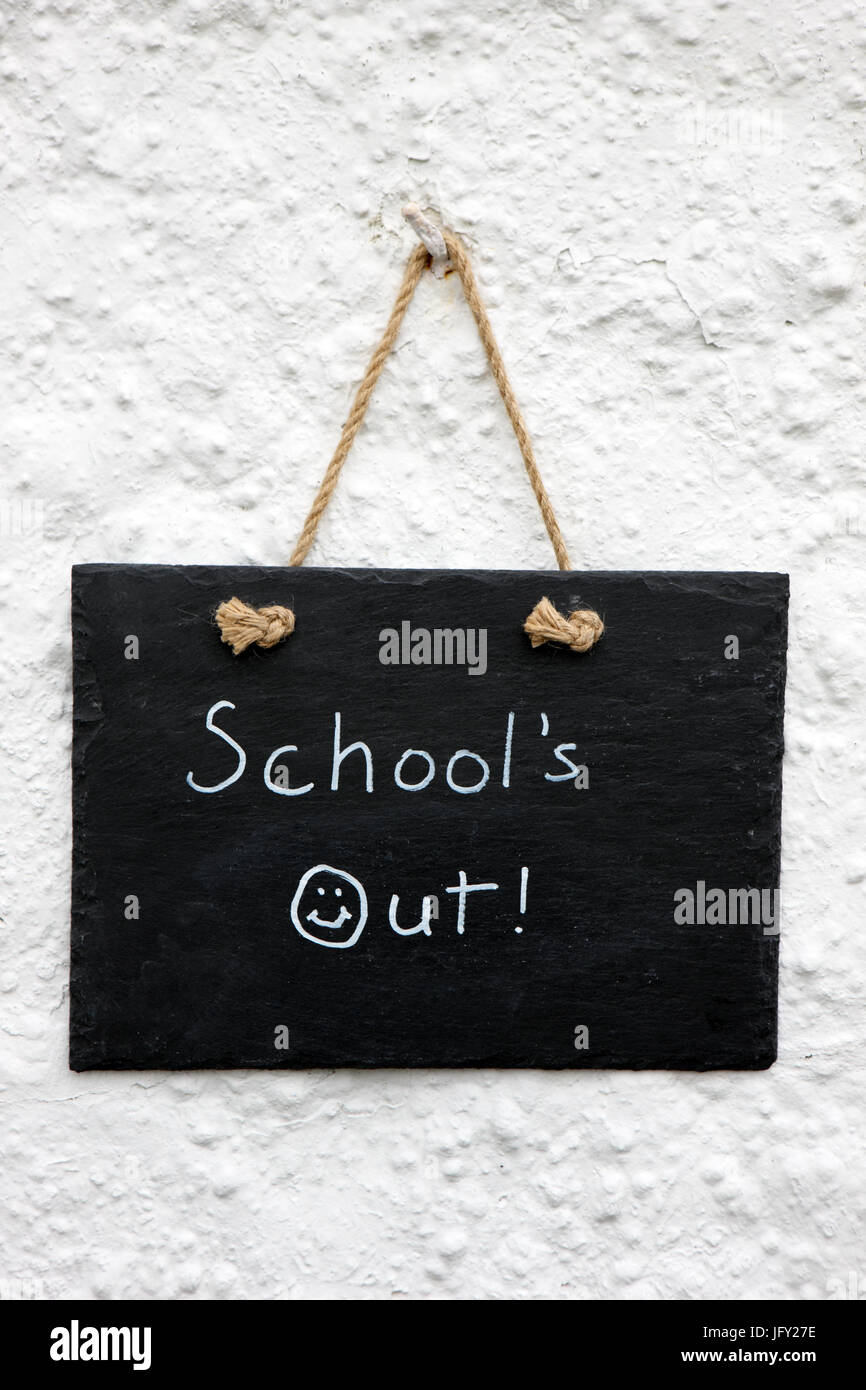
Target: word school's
(469, 780)
(439, 646)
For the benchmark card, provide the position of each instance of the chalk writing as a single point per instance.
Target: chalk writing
(326, 888)
(467, 772)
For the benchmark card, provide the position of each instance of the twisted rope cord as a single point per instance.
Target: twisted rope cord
(415, 267)
(242, 625)
(579, 631)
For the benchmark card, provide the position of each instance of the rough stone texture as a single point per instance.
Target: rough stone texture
(200, 239)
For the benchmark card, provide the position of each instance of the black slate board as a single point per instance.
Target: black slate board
(683, 748)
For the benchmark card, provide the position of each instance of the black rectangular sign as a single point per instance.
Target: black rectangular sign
(406, 837)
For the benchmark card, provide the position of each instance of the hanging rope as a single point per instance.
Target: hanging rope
(242, 625)
(415, 267)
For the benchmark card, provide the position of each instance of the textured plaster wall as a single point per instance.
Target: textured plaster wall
(200, 239)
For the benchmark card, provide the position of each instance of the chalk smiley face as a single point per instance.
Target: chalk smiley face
(329, 907)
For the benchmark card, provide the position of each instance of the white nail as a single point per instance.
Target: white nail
(431, 236)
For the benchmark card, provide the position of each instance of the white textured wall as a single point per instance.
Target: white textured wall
(200, 240)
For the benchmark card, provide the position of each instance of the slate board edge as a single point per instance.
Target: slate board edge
(83, 701)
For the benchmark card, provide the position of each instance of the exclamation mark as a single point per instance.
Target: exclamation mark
(524, 880)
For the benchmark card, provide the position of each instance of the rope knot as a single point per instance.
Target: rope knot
(579, 631)
(242, 625)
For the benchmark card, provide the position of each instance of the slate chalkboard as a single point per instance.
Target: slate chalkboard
(405, 838)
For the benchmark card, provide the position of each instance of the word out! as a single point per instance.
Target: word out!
(330, 906)
(466, 772)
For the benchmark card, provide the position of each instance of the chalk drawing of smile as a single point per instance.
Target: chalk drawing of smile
(343, 916)
(329, 907)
